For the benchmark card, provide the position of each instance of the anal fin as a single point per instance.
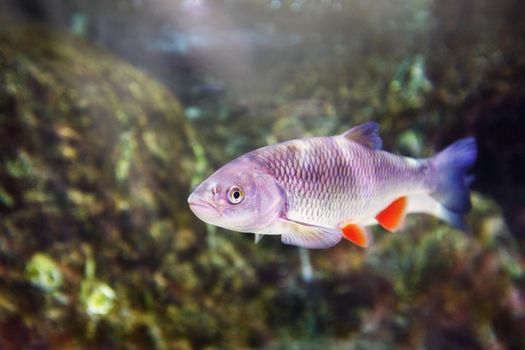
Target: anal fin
(356, 234)
(392, 216)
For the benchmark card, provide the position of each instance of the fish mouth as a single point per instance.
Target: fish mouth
(200, 207)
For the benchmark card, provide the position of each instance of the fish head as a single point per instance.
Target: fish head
(240, 196)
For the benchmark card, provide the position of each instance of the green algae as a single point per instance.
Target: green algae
(43, 272)
(98, 298)
(6, 198)
(21, 167)
(127, 146)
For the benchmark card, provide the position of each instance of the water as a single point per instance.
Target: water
(110, 112)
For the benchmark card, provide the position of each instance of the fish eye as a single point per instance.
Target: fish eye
(235, 195)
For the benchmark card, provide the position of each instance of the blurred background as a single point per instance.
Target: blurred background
(111, 111)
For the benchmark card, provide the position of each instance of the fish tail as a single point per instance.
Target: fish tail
(452, 218)
(452, 190)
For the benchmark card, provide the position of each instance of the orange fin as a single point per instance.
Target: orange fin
(392, 216)
(356, 234)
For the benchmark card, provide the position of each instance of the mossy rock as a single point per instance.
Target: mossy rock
(86, 137)
(95, 163)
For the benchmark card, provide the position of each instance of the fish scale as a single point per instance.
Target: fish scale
(331, 181)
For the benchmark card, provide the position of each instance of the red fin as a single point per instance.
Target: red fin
(356, 234)
(392, 216)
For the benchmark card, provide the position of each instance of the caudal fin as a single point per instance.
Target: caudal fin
(453, 182)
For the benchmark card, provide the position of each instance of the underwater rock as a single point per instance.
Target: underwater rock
(92, 152)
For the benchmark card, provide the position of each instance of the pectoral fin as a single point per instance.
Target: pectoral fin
(308, 236)
(357, 234)
(392, 216)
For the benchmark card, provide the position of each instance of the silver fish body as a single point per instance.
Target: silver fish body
(330, 181)
(315, 191)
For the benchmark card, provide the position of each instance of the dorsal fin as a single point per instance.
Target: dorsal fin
(366, 134)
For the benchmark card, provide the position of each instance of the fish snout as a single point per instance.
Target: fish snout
(192, 198)
(203, 209)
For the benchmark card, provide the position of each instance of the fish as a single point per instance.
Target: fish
(315, 191)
